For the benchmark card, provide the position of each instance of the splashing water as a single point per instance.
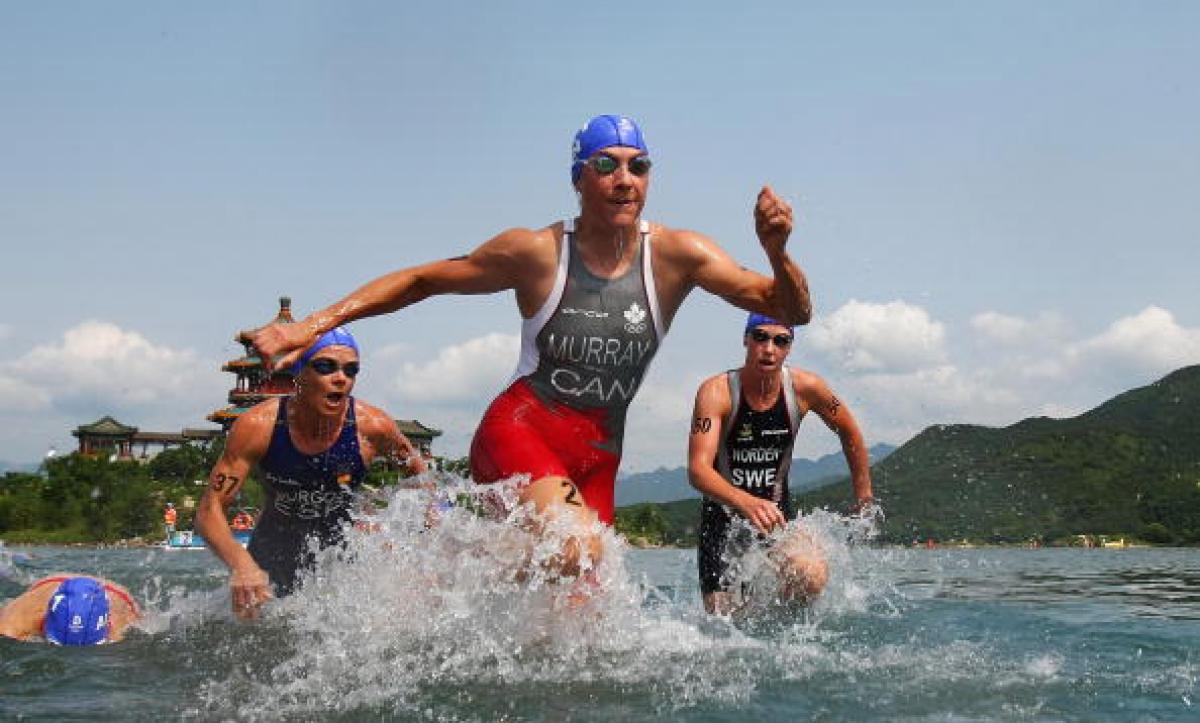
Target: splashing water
(755, 571)
(436, 625)
(10, 563)
(412, 616)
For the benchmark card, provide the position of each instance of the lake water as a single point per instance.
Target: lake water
(431, 625)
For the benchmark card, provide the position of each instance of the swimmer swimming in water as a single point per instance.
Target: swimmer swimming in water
(70, 609)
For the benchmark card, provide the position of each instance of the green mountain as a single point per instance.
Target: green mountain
(1130, 467)
(668, 485)
(648, 520)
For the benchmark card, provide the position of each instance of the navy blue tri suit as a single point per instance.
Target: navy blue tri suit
(307, 496)
(755, 456)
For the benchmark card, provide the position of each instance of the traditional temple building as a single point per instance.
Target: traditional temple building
(253, 383)
(106, 437)
(420, 435)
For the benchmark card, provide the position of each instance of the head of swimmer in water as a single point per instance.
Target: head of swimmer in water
(325, 373)
(767, 342)
(610, 169)
(77, 613)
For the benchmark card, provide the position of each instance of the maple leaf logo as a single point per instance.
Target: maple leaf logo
(635, 319)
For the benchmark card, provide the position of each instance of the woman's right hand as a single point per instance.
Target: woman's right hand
(249, 588)
(763, 514)
(280, 345)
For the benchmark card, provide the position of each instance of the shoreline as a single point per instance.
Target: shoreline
(641, 544)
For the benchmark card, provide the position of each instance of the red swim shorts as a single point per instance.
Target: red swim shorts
(521, 434)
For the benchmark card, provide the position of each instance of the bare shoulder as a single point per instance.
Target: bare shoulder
(261, 414)
(523, 244)
(685, 258)
(371, 419)
(806, 382)
(21, 616)
(713, 394)
(251, 432)
(716, 382)
(681, 244)
(814, 392)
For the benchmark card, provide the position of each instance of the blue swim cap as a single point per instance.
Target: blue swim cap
(604, 131)
(77, 613)
(756, 319)
(337, 336)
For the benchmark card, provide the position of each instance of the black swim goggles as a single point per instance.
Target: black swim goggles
(783, 341)
(325, 367)
(605, 165)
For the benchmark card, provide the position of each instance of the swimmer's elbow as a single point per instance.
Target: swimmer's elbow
(794, 311)
(801, 317)
(201, 521)
(800, 311)
(205, 514)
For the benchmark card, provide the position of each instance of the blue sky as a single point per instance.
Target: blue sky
(997, 201)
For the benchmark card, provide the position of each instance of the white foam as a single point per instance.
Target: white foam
(465, 605)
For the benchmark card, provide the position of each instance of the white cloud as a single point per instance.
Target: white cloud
(392, 353)
(994, 327)
(469, 372)
(890, 337)
(893, 407)
(656, 432)
(1150, 342)
(1000, 327)
(17, 396)
(98, 366)
(1015, 350)
(1021, 367)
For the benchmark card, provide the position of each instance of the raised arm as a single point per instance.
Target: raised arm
(712, 406)
(246, 444)
(819, 398)
(784, 296)
(504, 262)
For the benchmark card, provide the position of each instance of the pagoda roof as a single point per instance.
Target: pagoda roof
(413, 428)
(173, 437)
(230, 412)
(251, 360)
(202, 433)
(105, 426)
(283, 317)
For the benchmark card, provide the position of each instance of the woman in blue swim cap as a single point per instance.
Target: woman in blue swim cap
(311, 452)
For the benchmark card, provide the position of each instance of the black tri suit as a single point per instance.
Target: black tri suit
(755, 455)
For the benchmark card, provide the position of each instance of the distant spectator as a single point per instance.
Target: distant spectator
(170, 515)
